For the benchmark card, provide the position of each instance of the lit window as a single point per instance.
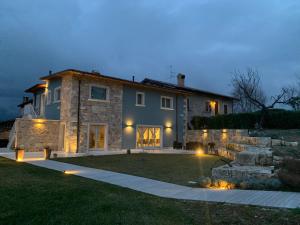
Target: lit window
(140, 99)
(99, 93)
(57, 94)
(166, 102)
(207, 107)
(48, 98)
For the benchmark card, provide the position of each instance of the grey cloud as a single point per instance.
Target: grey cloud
(205, 39)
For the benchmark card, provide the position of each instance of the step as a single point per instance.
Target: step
(242, 172)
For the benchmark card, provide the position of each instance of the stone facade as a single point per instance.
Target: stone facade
(35, 134)
(197, 106)
(108, 112)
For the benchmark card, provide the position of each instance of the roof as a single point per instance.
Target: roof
(30, 101)
(101, 76)
(146, 83)
(35, 88)
(189, 89)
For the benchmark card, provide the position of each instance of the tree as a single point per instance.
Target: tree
(247, 87)
(294, 96)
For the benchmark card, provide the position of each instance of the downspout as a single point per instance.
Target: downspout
(78, 116)
(176, 113)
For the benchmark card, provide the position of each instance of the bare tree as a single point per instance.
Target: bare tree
(293, 95)
(247, 87)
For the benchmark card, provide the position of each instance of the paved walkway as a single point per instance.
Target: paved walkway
(168, 190)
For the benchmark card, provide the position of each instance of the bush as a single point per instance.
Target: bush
(289, 173)
(194, 145)
(274, 119)
(291, 165)
(177, 145)
(204, 182)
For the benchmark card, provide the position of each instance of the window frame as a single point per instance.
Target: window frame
(225, 111)
(171, 103)
(143, 99)
(55, 100)
(98, 86)
(49, 97)
(208, 108)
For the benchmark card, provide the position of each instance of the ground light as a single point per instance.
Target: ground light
(71, 171)
(200, 152)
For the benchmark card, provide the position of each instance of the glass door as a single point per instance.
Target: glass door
(97, 137)
(148, 137)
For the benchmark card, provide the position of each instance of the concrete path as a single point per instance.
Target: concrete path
(162, 189)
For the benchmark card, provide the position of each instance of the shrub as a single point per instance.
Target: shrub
(274, 119)
(204, 182)
(194, 145)
(177, 145)
(291, 165)
(288, 178)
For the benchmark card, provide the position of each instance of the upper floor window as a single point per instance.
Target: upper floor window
(48, 100)
(57, 94)
(166, 102)
(140, 99)
(99, 93)
(207, 107)
(225, 109)
(188, 104)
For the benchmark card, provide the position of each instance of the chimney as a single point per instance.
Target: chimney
(25, 99)
(180, 80)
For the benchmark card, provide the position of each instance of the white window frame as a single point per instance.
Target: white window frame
(105, 137)
(55, 100)
(49, 97)
(171, 103)
(143, 99)
(99, 86)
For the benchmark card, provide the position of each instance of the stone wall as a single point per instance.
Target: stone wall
(35, 134)
(219, 137)
(91, 112)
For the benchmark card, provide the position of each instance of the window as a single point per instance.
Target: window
(99, 93)
(225, 109)
(48, 101)
(140, 99)
(188, 104)
(166, 102)
(57, 94)
(207, 107)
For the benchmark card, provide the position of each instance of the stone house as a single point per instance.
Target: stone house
(77, 111)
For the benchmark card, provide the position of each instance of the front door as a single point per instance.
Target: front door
(97, 137)
(148, 137)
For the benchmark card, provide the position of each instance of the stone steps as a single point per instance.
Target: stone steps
(242, 172)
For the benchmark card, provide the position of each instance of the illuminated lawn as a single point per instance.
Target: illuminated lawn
(173, 168)
(33, 195)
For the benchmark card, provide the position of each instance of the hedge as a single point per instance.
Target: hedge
(274, 119)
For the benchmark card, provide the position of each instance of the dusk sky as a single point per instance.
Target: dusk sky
(204, 39)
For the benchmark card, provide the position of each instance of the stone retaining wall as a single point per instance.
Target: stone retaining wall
(35, 134)
(219, 137)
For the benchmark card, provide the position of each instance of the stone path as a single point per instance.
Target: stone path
(162, 189)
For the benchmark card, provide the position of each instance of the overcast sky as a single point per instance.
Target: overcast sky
(204, 39)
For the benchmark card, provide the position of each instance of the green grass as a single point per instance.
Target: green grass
(173, 168)
(32, 195)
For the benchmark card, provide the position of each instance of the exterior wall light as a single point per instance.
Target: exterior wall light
(204, 131)
(168, 125)
(224, 131)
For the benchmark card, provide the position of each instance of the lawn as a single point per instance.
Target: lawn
(173, 168)
(32, 195)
